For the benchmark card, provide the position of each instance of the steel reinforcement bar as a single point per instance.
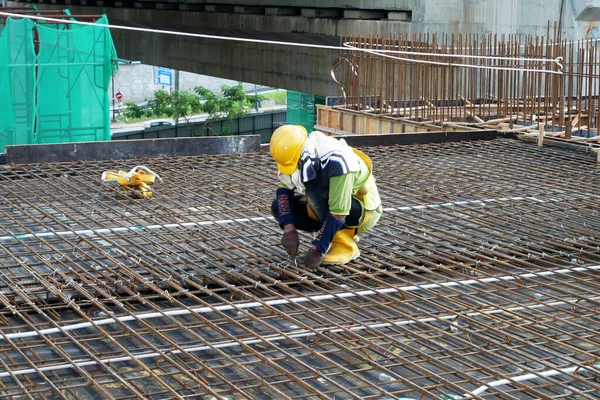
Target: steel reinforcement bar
(521, 81)
(480, 281)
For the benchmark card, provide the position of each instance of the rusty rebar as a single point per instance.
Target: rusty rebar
(480, 280)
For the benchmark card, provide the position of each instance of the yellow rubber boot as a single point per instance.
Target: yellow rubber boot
(343, 248)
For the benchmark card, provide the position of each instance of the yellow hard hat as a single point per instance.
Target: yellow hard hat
(286, 146)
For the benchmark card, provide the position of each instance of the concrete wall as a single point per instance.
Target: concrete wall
(127, 149)
(138, 82)
(308, 21)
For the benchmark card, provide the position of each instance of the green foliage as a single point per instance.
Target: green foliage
(252, 100)
(133, 111)
(228, 105)
(176, 105)
(234, 93)
(161, 104)
(231, 103)
(183, 104)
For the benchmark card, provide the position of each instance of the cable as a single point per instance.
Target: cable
(557, 61)
(102, 231)
(349, 44)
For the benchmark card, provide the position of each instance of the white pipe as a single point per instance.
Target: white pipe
(231, 221)
(464, 203)
(522, 378)
(130, 228)
(322, 297)
(270, 338)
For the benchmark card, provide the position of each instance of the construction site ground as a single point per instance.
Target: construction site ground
(480, 281)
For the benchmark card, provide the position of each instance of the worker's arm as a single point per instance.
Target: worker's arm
(340, 201)
(340, 194)
(285, 207)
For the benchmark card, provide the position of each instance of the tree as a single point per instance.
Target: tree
(132, 110)
(160, 105)
(230, 104)
(183, 104)
(255, 100)
(176, 105)
(225, 106)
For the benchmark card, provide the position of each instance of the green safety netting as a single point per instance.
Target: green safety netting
(60, 95)
(17, 83)
(301, 109)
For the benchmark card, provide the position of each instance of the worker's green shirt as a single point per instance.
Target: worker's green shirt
(343, 187)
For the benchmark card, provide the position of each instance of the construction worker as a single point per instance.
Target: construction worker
(327, 187)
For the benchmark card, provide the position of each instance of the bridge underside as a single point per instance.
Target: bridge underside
(305, 21)
(290, 67)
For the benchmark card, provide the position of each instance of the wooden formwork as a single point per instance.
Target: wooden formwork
(338, 120)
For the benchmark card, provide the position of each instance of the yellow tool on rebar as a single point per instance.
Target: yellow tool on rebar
(138, 179)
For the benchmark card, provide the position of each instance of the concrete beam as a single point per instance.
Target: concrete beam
(191, 7)
(586, 10)
(405, 16)
(423, 138)
(265, 64)
(137, 4)
(296, 68)
(248, 10)
(321, 12)
(167, 6)
(282, 11)
(127, 149)
(218, 8)
(365, 14)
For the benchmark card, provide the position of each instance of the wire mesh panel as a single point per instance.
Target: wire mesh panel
(479, 282)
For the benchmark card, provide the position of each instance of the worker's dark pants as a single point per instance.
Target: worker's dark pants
(319, 205)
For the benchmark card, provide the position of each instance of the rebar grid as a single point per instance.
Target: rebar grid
(480, 281)
(486, 80)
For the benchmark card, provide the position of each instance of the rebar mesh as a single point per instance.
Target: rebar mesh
(480, 281)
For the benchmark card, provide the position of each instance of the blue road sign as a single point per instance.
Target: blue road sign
(164, 76)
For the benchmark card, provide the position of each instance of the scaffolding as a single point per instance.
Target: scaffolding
(54, 78)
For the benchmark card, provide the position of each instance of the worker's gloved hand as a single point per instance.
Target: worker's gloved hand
(290, 240)
(313, 258)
